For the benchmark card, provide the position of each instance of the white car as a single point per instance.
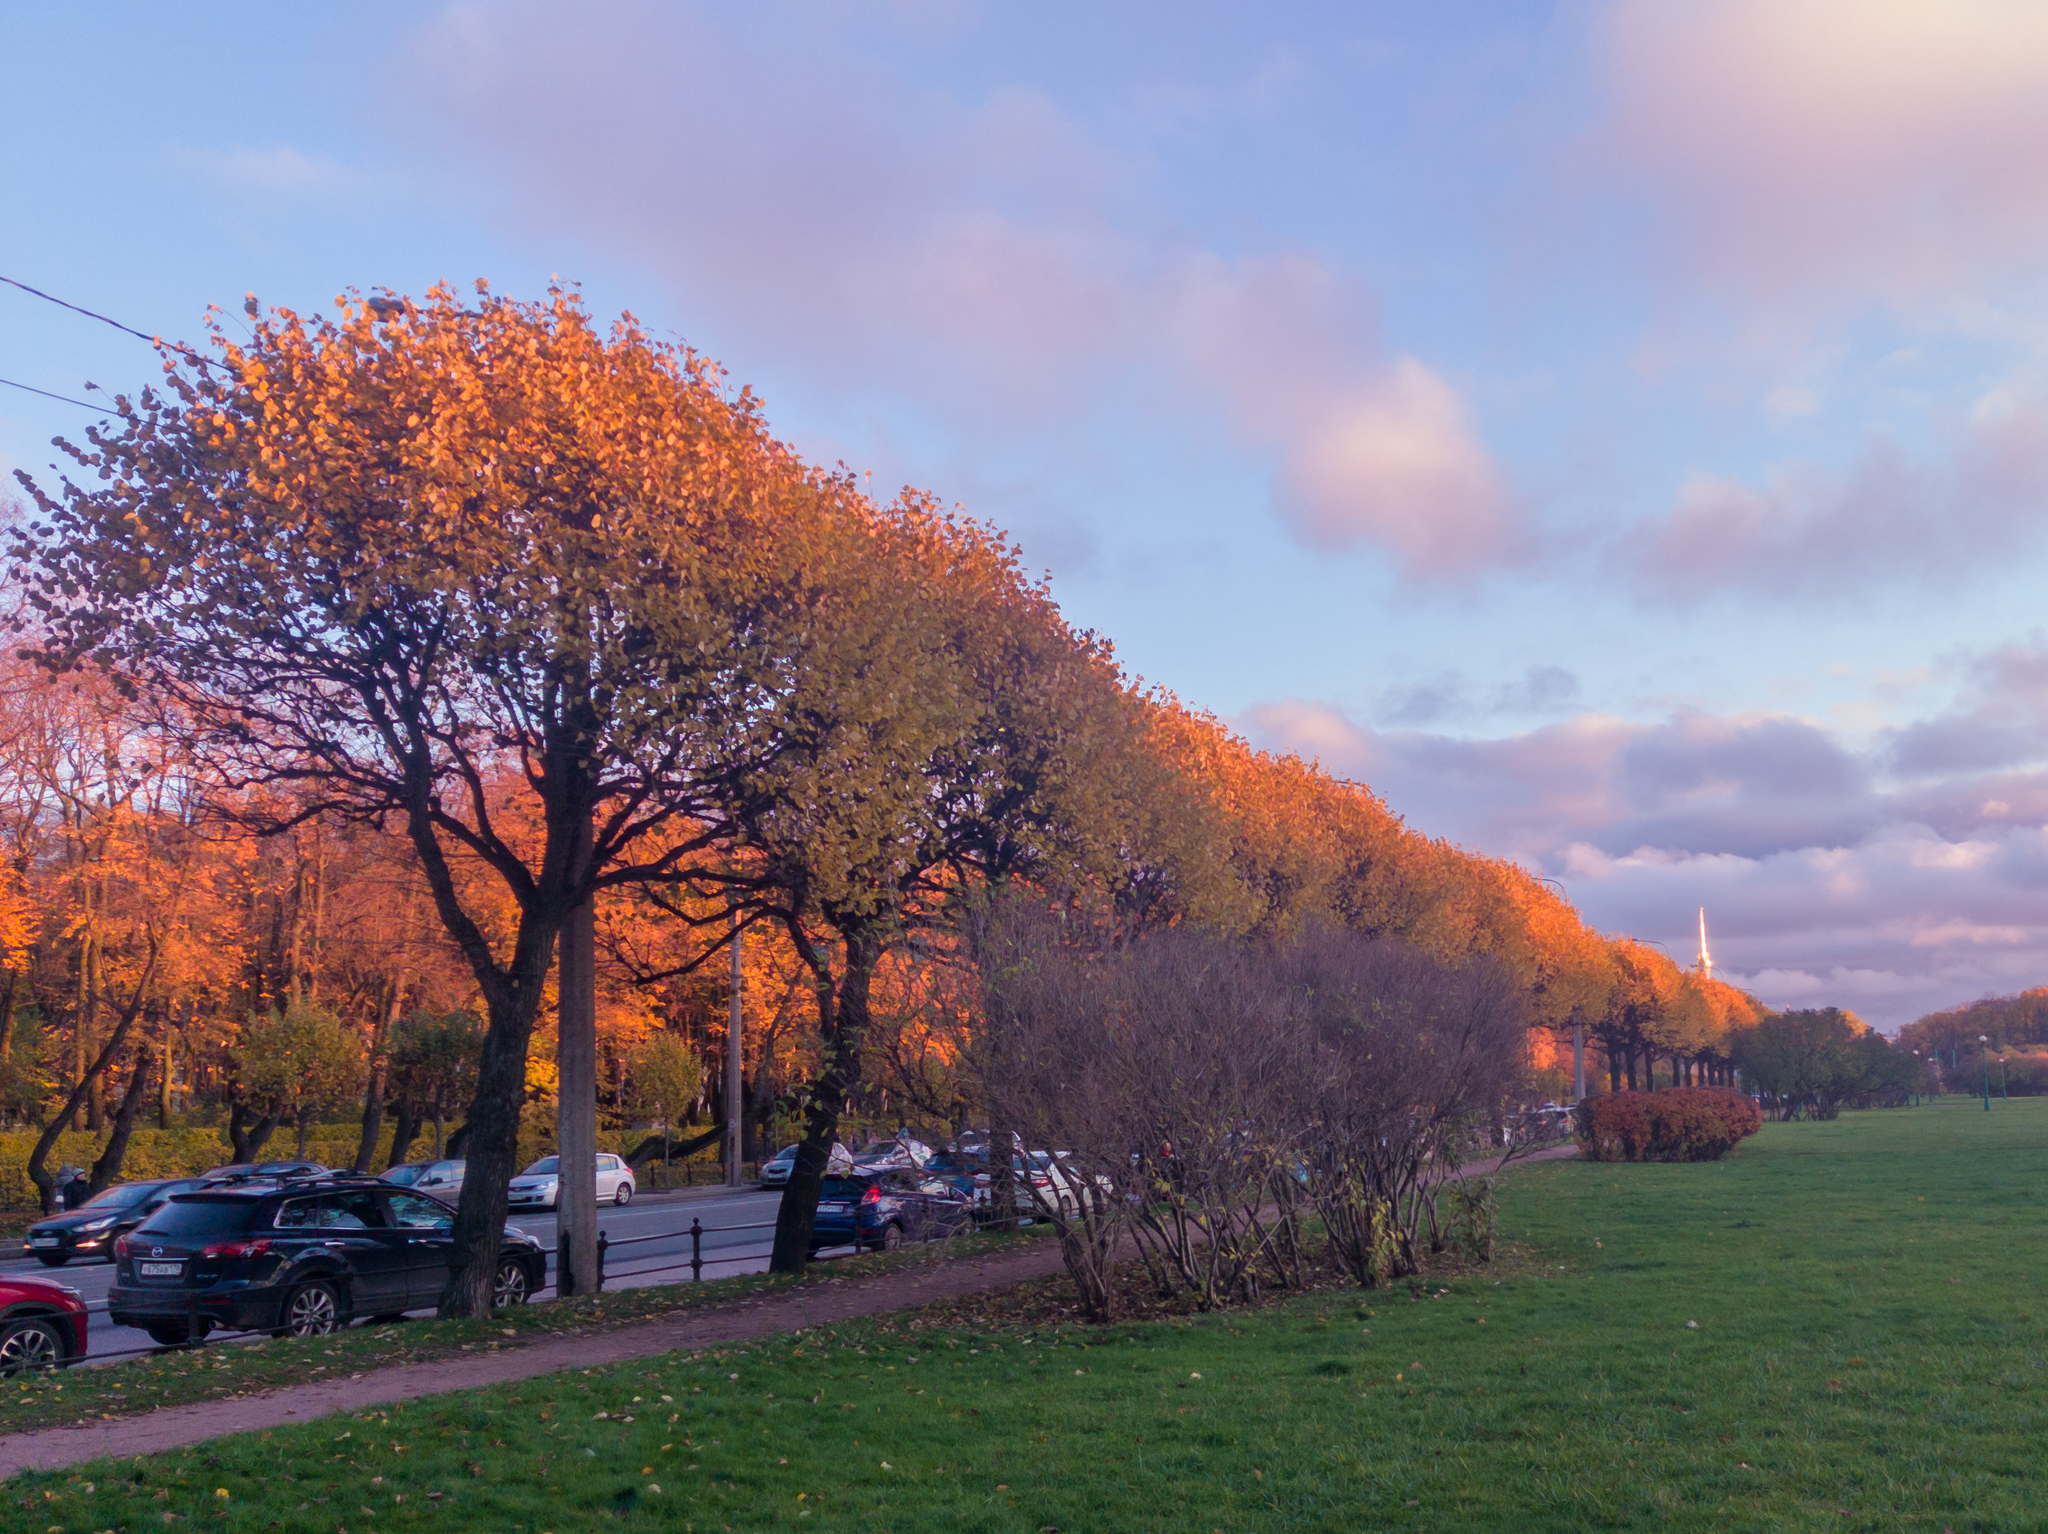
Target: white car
(776, 1169)
(540, 1185)
(443, 1179)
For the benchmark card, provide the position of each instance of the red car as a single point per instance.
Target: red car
(42, 1325)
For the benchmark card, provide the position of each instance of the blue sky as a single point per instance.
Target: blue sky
(1616, 431)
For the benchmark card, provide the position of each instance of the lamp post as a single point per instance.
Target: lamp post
(2003, 1095)
(1916, 1078)
(1984, 1040)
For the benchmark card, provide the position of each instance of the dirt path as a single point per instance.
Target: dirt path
(176, 1426)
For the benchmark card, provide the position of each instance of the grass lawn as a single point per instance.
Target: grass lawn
(1868, 1353)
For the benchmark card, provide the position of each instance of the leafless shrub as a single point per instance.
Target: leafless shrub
(1208, 1096)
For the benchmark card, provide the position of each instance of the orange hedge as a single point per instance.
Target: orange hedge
(1685, 1124)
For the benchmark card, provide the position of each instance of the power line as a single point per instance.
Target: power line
(183, 351)
(46, 394)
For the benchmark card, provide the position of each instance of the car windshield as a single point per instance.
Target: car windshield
(120, 1198)
(844, 1187)
(404, 1176)
(957, 1161)
(190, 1218)
(546, 1164)
(285, 1168)
(787, 1153)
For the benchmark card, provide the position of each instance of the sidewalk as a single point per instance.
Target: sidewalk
(177, 1426)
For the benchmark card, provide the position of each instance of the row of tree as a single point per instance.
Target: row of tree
(372, 663)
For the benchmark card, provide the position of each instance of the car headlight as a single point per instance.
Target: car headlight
(98, 1224)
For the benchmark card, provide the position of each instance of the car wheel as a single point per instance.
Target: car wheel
(624, 1195)
(512, 1286)
(30, 1343)
(53, 1259)
(892, 1238)
(313, 1310)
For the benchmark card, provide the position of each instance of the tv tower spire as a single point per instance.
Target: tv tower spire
(1705, 962)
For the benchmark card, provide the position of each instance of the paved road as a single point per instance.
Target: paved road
(665, 1260)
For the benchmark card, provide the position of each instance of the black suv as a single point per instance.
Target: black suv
(301, 1258)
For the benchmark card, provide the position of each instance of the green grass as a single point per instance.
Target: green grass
(1870, 1353)
(230, 1367)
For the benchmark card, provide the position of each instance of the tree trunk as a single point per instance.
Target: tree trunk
(373, 1090)
(405, 1129)
(7, 995)
(1578, 1060)
(45, 1184)
(576, 1107)
(735, 1089)
(108, 1168)
(842, 1035)
(1613, 1071)
(1629, 1058)
(244, 1141)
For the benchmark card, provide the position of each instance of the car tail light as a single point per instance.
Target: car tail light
(872, 1196)
(1040, 1180)
(120, 1246)
(237, 1248)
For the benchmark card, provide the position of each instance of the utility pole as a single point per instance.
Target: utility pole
(735, 1107)
(576, 1096)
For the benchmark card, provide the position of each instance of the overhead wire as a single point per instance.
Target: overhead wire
(67, 399)
(92, 314)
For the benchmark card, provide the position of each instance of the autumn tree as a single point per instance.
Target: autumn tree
(298, 1063)
(478, 571)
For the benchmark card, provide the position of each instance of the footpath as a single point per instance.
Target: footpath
(176, 1427)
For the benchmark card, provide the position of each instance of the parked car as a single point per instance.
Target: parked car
(91, 1229)
(1043, 1185)
(42, 1324)
(252, 1171)
(540, 1185)
(901, 1153)
(300, 1258)
(884, 1210)
(443, 1179)
(776, 1169)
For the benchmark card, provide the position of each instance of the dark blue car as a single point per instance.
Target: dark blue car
(886, 1209)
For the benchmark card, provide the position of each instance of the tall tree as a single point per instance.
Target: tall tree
(478, 570)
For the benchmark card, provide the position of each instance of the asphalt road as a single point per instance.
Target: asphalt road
(665, 1259)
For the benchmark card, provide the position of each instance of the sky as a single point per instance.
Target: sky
(1617, 432)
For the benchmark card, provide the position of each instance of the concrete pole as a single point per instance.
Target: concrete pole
(735, 1106)
(576, 1104)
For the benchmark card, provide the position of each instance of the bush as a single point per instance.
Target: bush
(1686, 1124)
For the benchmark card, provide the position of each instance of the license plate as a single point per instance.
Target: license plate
(831, 1208)
(45, 1241)
(159, 1269)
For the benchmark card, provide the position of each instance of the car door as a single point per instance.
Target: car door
(427, 1228)
(609, 1171)
(351, 1228)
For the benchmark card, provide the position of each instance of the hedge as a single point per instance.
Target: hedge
(1684, 1124)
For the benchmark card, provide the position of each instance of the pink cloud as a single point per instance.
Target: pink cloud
(988, 263)
(1838, 149)
(1892, 516)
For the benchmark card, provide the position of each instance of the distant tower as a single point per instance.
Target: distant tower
(1705, 962)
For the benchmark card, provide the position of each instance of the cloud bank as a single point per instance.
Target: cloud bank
(1894, 876)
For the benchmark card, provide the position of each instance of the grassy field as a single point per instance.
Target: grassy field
(1840, 1328)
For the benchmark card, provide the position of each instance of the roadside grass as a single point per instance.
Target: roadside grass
(228, 1368)
(1841, 1327)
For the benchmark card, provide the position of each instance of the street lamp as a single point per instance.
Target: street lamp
(2003, 1095)
(1984, 1039)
